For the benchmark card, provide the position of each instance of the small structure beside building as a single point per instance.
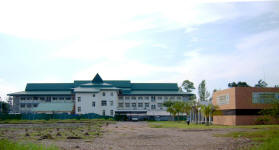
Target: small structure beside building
(241, 105)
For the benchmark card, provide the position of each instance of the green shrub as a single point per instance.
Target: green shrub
(262, 120)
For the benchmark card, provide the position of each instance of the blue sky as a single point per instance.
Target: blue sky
(144, 41)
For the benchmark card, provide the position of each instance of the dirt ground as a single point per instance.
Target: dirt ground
(139, 136)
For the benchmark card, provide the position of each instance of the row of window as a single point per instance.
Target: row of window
(104, 111)
(147, 97)
(103, 102)
(104, 94)
(146, 105)
(45, 98)
(28, 105)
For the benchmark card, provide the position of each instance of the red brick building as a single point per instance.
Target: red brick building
(241, 105)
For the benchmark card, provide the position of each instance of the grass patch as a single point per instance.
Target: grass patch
(54, 121)
(265, 139)
(183, 125)
(9, 145)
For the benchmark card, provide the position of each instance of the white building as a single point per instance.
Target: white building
(103, 97)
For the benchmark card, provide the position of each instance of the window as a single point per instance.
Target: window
(172, 97)
(127, 104)
(29, 98)
(152, 98)
(54, 98)
(111, 103)
(134, 98)
(79, 109)
(160, 105)
(159, 97)
(146, 105)
(79, 99)
(120, 97)
(223, 99)
(140, 104)
(22, 98)
(140, 98)
(134, 104)
(68, 98)
(35, 98)
(179, 97)
(22, 105)
(111, 93)
(93, 95)
(104, 103)
(146, 97)
(61, 98)
(104, 94)
(48, 99)
(42, 98)
(153, 106)
(166, 98)
(111, 112)
(29, 105)
(127, 97)
(104, 112)
(93, 104)
(120, 104)
(35, 105)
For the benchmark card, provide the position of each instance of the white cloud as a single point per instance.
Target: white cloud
(101, 19)
(245, 63)
(6, 87)
(91, 49)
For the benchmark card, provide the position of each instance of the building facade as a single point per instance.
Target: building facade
(103, 97)
(241, 105)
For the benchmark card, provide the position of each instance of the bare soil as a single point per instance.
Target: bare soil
(139, 136)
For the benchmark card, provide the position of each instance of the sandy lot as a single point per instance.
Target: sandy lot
(139, 136)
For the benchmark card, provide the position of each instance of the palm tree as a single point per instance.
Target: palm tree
(195, 106)
(186, 108)
(178, 106)
(207, 110)
(172, 111)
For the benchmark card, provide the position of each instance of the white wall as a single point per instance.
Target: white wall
(87, 99)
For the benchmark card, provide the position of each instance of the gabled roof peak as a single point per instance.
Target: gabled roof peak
(97, 79)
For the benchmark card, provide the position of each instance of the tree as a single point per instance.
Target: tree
(261, 83)
(239, 84)
(276, 86)
(188, 86)
(192, 97)
(186, 107)
(172, 111)
(178, 106)
(168, 103)
(203, 93)
(272, 111)
(207, 110)
(4, 107)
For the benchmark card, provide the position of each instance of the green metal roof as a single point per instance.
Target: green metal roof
(141, 92)
(115, 83)
(66, 106)
(155, 86)
(49, 86)
(125, 87)
(97, 79)
(41, 93)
